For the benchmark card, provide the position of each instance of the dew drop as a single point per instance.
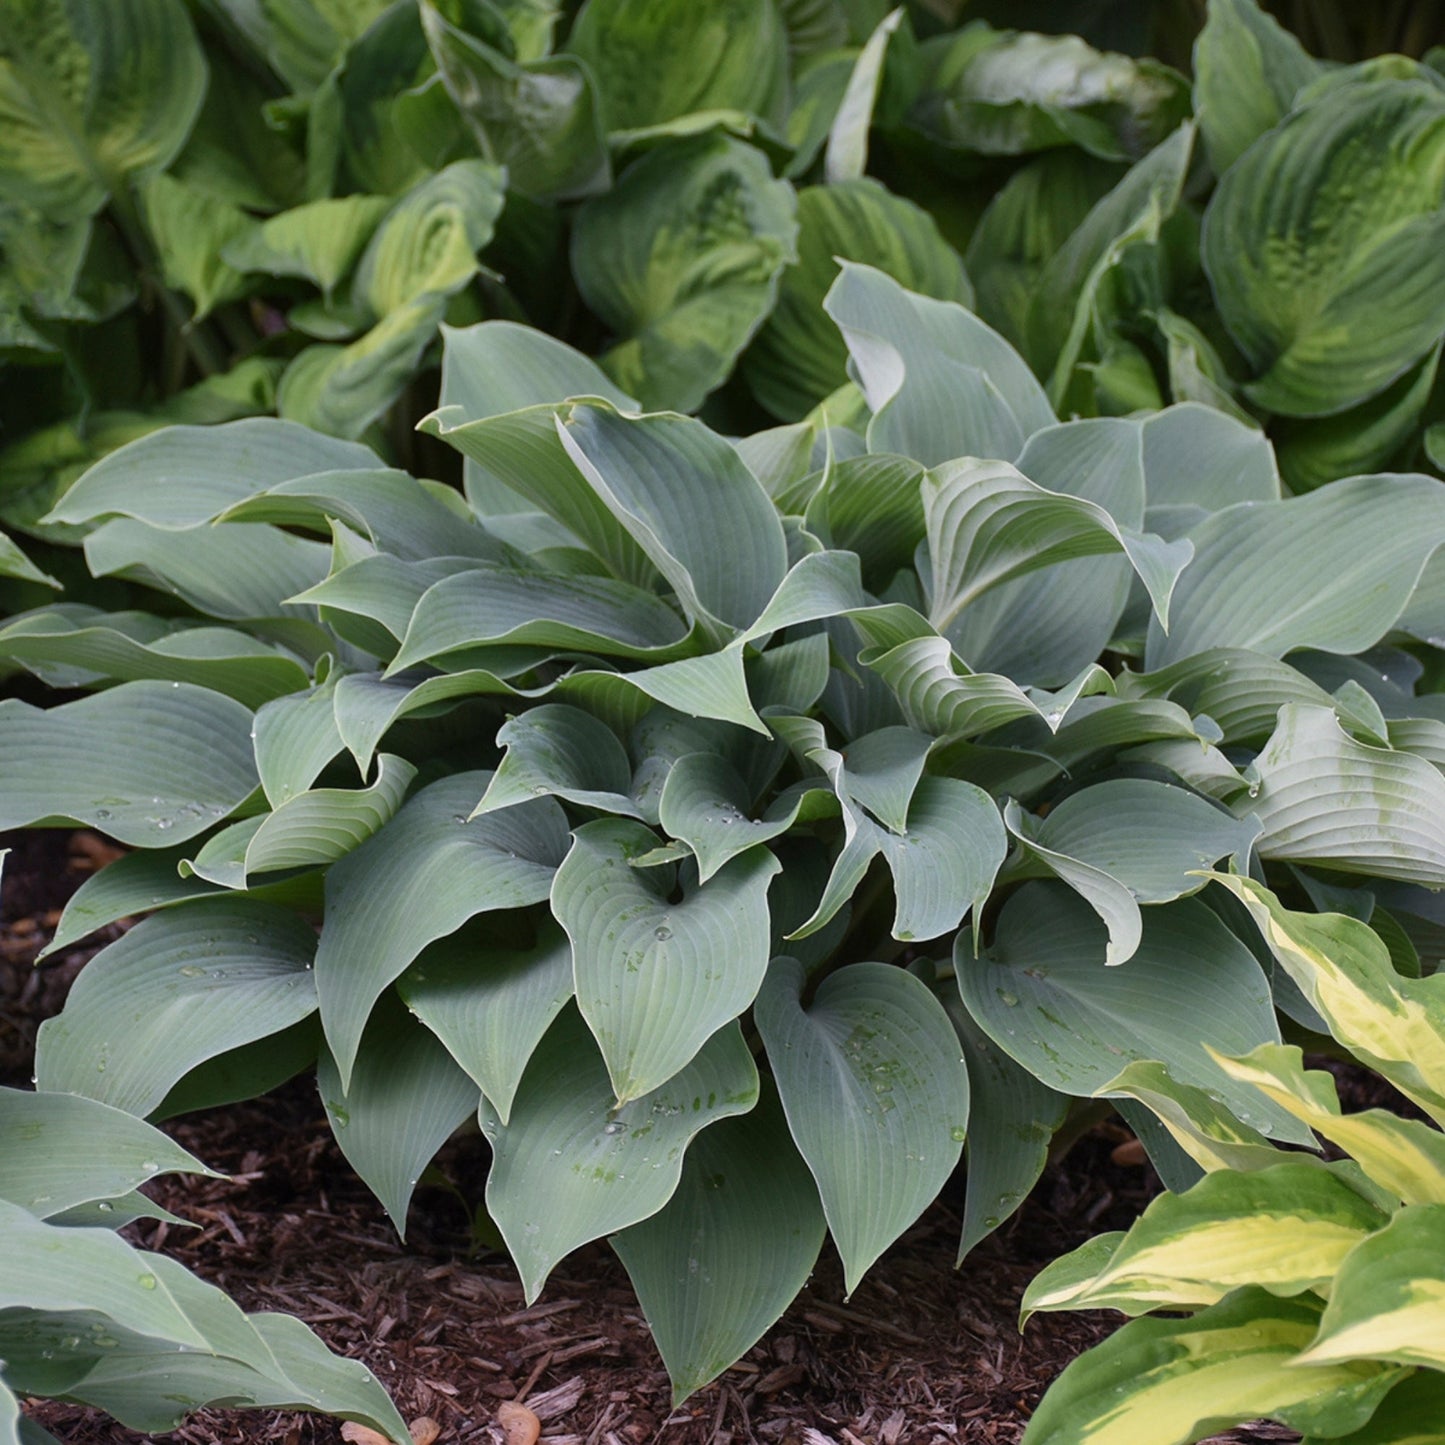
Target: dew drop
(147, 1281)
(662, 934)
(958, 1133)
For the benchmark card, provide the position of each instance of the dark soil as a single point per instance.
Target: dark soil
(922, 1354)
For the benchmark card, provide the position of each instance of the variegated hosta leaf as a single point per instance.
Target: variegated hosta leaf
(571, 1165)
(875, 1093)
(725, 1256)
(146, 762)
(1322, 797)
(1043, 994)
(1183, 1379)
(1403, 1157)
(656, 979)
(406, 1096)
(1388, 1299)
(178, 989)
(1343, 969)
(58, 1151)
(491, 1006)
(1287, 1229)
(421, 877)
(1410, 1415)
(1126, 842)
(319, 242)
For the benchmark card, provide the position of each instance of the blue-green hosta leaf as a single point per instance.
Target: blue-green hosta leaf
(1325, 798)
(1198, 460)
(540, 118)
(1011, 1120)
(1403, 1158)
(798, 358)
(490, 604)
(295, 736)
(176, 990)
(91, 97)
(185, 475)
(1324, 247)
(1115, 241)
(1129, 841)
(951, 385)
(1388, 1297)
(1332, 570)
(717, 1265)
(405, 1097)
(319, 242)
(421, 877)
(190, 230)
(681, 260)
(677, 487)
(71, 645)
(308, 830)
(571, 1166)
(565, 753)
(875, 1093)
(1343, 969)
(656, 979)
(1010, 93)
(987, 524)
(1247, 71)
(1042, 993)
(146, 762)
(61, 1150)
(871, 505)
(491, 1006)
(1286, 1228)
(1184, 1379)
(14, 563)
(631, 49)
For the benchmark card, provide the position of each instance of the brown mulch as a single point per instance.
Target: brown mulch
(921, 1354)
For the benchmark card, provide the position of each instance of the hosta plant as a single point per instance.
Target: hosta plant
(736, 828)
(1307, 1291)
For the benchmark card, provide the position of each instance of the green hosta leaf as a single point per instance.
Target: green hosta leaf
(1343, 968)
(539, 118)
(422, 876)
(570, 1166)
(176, 990)
(987, 523)
(1043, 995)
(677, 487)
(146, 762)
(319, 242)
(1014, 93)
(92, 96)
(1129, 841)
(60, 1151)
(846, 157)
(491, 1006)
(875, 1093)
(717, 1265)
(1324, 247)
(1011, 1119)
(565, 753)
(950, 385)
(134, 646)
(798, 358)
(1388, 1299)
(1247, 70)
(1286, 1228)
(656, 979)
(186, 475)
(1184, 1379)
(632, 50)
(681, 260)
(1402, 1157)
(14, 563)
(1324, 798)
(190, 230)
(1332, 570)
(405, 1097)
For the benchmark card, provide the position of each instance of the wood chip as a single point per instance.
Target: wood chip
(1130, 1154)
(520, 1426)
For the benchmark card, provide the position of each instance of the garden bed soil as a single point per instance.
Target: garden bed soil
(920, 1355)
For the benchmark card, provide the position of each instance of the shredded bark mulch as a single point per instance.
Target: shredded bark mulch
(920, 1355)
